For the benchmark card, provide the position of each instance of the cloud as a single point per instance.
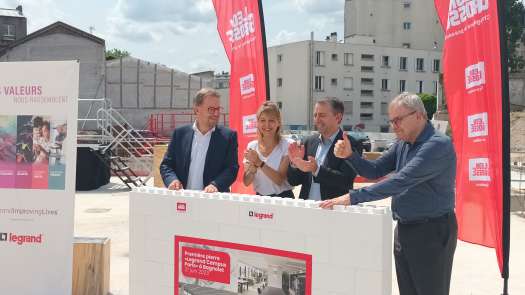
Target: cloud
(285, 36)
(158, 20)
(183, 12)
(320, 7)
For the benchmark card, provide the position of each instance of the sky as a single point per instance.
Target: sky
(181, 34)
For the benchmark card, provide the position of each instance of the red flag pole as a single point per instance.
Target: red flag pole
(505, 104)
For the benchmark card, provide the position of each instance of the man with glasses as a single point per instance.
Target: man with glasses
(202, 156)
(422, 167)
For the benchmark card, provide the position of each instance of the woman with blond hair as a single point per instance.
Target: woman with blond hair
(266, 158)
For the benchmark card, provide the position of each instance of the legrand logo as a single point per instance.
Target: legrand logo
(181, 207)
(260, 216)
(242, 25)
(460, 11)
(21, 239)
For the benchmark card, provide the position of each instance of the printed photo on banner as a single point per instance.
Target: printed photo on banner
(31, 152)
(206, 266)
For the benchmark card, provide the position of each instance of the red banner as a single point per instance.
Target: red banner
(473, 88)
(242, 34)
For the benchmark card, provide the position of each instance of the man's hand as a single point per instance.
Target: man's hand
(252, 157)
(342, 200)
(295, 150)
(175, 185)
(305, 166)
(210, 189)
(343, 148)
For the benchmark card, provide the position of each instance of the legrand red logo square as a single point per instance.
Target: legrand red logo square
(181, 207)
(206, 265)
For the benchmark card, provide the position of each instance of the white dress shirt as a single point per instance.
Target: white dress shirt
(199, 149)
(320, 156)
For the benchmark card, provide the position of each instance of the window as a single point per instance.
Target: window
(319, 58)
(406, 4)
(368, 57)
(367, 81)
(405, 45)
(419, 86)
(403, 63)
(366, 116)
(279, 82)
(384, 108)
(279, 58)
(365, 92)
(435, 66)
(348, 83)
(349, 107)
(420, 64)
(367, 69)
(384, 85)
(367, 105)
(319, 83)
(406, 25)
(334, 57)
(333, 81)
(402, 85)
(349, 59)
(434, 87)
(385, 61)
(9, 32)
(384, 128)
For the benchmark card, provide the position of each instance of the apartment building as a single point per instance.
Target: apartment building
(366, 77)
(394, 23)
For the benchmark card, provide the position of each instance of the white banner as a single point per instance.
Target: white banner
(38, 126)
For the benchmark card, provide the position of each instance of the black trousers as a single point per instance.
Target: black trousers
(424, 253)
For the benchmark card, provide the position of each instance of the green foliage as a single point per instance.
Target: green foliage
(116, 54)
(430, 103)
(514, 17)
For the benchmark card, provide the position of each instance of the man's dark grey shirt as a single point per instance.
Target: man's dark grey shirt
(422, 185)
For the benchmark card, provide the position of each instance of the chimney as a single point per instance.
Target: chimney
(333, 37)
(20, 11)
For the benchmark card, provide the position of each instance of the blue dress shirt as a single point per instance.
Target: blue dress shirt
(423, 182)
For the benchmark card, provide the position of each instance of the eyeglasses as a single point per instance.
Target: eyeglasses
(397, 120)
(212, 110)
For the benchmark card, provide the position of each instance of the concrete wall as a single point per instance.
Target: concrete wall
(354, 257)
(517, 91)
(294, 66)
(138, 88)
(383, 21)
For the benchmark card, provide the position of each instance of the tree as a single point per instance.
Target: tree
(430, 103)
(116, 54)
(515, 16)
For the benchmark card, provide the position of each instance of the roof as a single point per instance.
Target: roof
(58, 27)
(10, 12)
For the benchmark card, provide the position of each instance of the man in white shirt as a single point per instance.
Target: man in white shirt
(202, 156)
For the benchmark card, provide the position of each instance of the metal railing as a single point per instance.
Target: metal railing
(125, 141)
